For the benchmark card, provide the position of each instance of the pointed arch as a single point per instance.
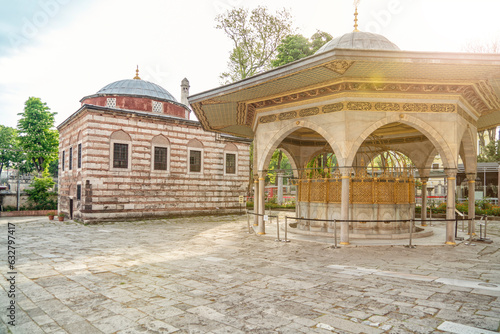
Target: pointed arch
(267, 152)
(433, 135)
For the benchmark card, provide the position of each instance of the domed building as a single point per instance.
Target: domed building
(131, 151)
(342, 114)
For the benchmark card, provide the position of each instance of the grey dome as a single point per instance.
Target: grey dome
(136, 87)
(359, 40)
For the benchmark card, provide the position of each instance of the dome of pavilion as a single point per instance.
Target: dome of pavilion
(359, 40)
(136, 87)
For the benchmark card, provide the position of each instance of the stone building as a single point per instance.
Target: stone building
(131, 151)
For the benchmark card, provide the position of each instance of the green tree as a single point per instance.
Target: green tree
(36, 134)
(40, 194)
(295, 47)
(9, 149)
(491, 152)
(255, 35)
(279, 161)
(292, 48)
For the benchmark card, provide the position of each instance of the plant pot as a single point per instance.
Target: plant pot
(61, 219)
(51, 217)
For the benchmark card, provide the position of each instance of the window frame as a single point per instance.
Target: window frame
(79, 156)
(70, 164)
(235, 163)
(167, 158)
(112, 156)
(197, 149)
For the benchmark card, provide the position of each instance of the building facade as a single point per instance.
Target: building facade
(131, 151)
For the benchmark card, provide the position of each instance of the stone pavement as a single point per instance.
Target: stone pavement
(209, 275)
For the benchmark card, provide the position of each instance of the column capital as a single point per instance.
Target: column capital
(450, 172)
(345, 170)
(471, 177)
(424, 180)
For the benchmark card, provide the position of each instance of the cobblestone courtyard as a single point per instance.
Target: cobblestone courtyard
(208, 275)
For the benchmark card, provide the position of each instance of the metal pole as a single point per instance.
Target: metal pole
(18, 191)
(286, 225)
(335, 231)
(411, 234)
(278, 228)
(248, 221)
(485, 224)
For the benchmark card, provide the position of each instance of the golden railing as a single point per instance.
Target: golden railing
(363, 189)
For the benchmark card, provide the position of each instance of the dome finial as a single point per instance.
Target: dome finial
(137, 74)
(356, 4)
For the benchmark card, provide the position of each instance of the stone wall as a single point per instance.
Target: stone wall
(139, 191)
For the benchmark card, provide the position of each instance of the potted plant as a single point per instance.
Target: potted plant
(61, 216)
(51, 215)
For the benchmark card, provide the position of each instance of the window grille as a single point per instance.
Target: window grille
(78, 192)
(79, 155)
(195, 161)
(111, 102)
(160, 159)
(120, 155)
(70, 158)
(63, 159)
(157, 107)
(230, 163)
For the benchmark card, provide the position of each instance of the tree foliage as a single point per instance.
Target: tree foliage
(491, 152)
(36, 136)
(9, 148)
(295, 47)
(255, 35)
(40, 194)
(278, 162)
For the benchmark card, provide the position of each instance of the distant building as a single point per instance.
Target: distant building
(131, 151)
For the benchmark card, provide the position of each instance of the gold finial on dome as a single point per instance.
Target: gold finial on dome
(356, 4)
(137, 74)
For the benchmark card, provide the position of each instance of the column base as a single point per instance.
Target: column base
(261, 233)
(344, 243)
(450, 243)
(423, 224)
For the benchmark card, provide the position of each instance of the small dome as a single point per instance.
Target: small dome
(136, 87)
(359, 40)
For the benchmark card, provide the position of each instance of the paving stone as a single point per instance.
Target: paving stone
(207, 275)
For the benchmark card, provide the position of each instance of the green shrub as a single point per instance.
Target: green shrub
(40, 197)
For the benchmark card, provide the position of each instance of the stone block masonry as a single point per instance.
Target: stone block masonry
(97, 191)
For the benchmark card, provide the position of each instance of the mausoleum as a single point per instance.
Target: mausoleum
(131, 151)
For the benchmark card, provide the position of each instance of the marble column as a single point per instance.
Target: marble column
(450, 205)
(279, 175)
(471, 187)
(256, 200)
(262, 228)
(424, 201)
(344, 207)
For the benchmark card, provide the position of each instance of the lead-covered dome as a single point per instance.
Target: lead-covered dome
(136, 87)
(359, 40)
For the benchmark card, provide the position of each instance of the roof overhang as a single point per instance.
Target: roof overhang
(473, 77)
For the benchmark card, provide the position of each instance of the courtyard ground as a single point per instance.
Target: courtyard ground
(209, 275)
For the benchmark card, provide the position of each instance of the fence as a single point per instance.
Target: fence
(482, 224)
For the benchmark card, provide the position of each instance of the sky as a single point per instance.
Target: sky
(63, 50)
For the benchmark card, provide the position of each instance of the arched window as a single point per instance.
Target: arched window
(230, 160)
(195, 156)
(120, 151)
(160, 154)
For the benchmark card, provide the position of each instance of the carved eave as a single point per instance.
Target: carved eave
(471, 79)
